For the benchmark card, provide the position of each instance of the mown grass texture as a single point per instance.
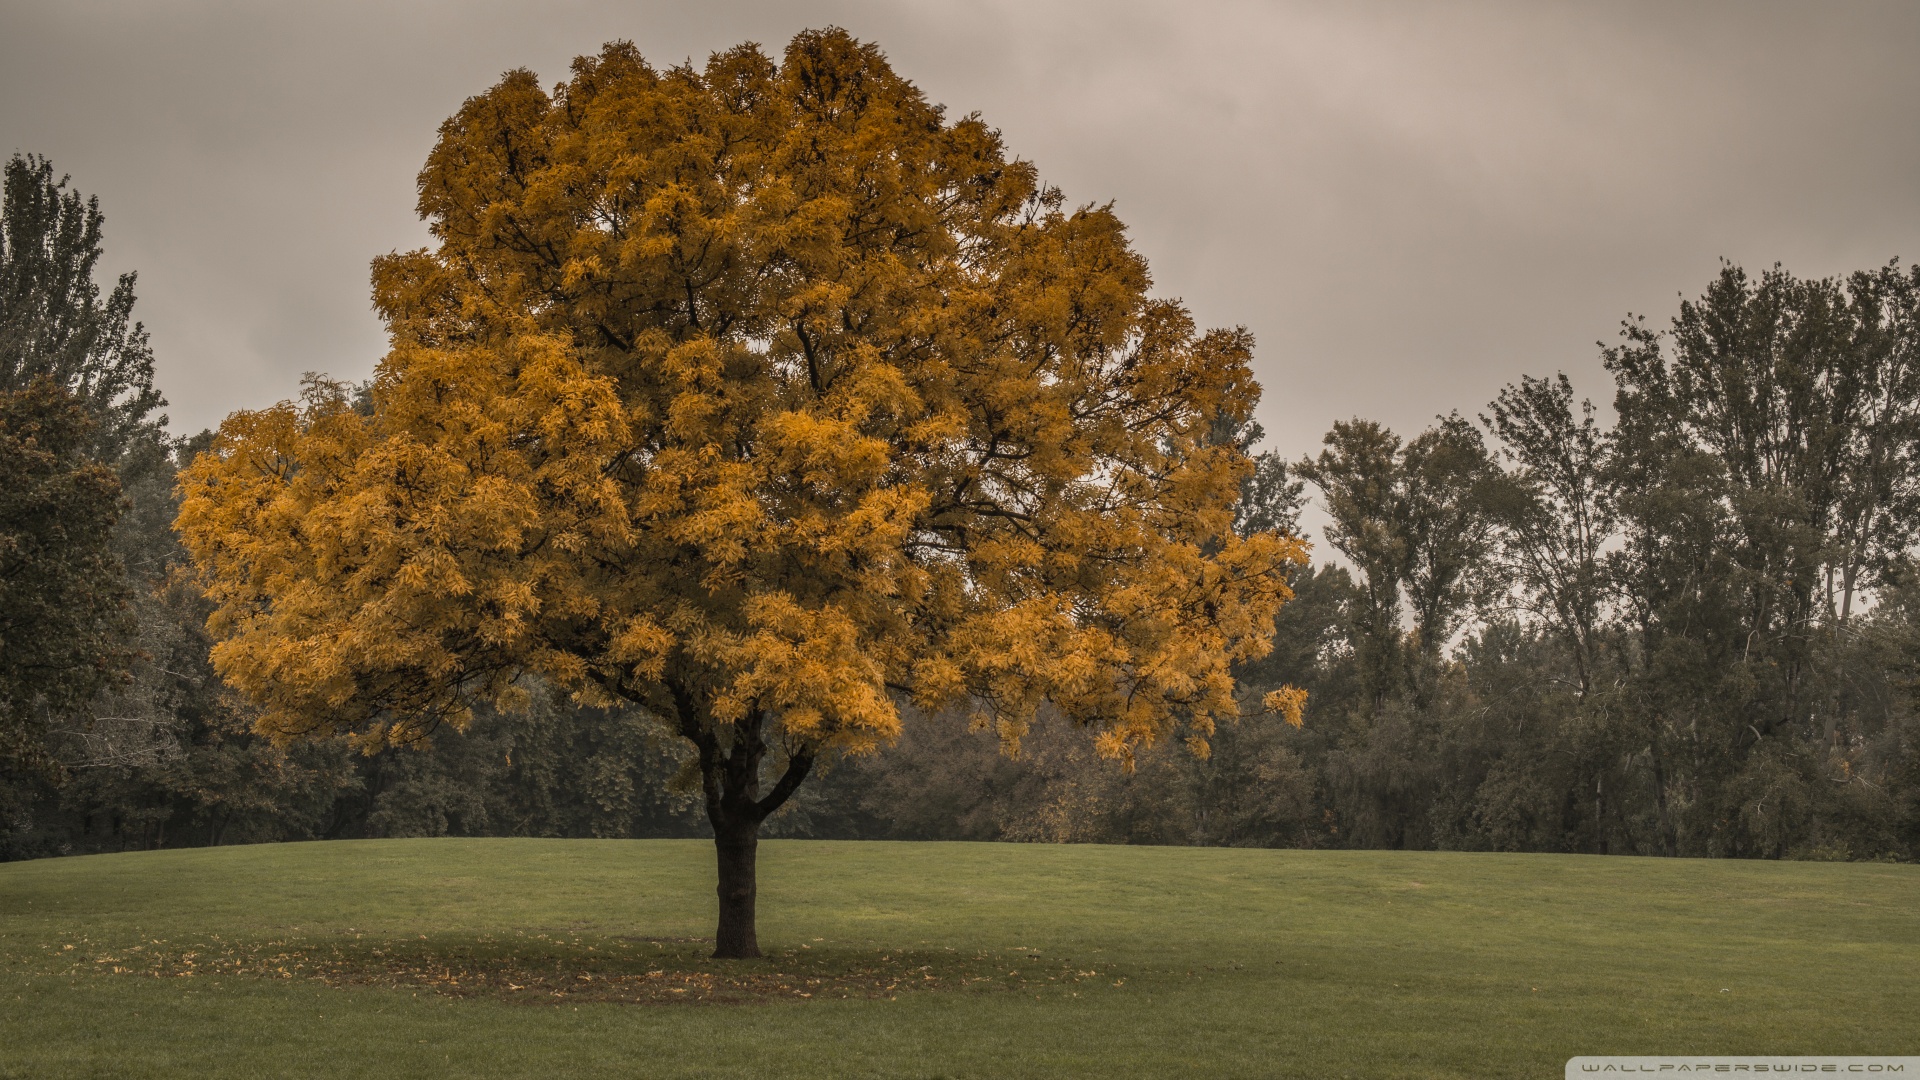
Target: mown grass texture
(485, 958)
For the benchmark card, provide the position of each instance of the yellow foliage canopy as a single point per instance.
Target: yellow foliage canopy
(760, 393)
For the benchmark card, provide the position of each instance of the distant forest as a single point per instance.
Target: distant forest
(1692, 632)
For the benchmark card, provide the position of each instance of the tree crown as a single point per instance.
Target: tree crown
(54, 324)
(757, 392)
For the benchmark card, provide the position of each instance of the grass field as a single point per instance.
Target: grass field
(483, 958)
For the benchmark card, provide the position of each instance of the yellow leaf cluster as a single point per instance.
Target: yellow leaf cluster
(764, 389)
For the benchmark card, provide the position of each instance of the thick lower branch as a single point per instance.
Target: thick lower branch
(798, 766)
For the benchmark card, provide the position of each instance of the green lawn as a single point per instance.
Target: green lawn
(464, 957)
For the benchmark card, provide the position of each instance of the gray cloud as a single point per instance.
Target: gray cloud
(1408, 204)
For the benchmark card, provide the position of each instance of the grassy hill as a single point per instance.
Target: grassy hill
(485, 958)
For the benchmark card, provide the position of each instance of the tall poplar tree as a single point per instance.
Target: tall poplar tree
(76, 407)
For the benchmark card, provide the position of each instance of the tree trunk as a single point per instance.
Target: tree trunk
(736, 938)
(730, 777)
(1669, 829)
(1600, 812)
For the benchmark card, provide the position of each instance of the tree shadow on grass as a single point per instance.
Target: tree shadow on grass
(535, 967)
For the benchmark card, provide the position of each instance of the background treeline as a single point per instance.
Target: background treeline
(1694, 631)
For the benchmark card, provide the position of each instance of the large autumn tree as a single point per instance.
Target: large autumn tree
(766, 397)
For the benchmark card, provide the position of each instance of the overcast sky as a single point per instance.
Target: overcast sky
(1409, 204)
